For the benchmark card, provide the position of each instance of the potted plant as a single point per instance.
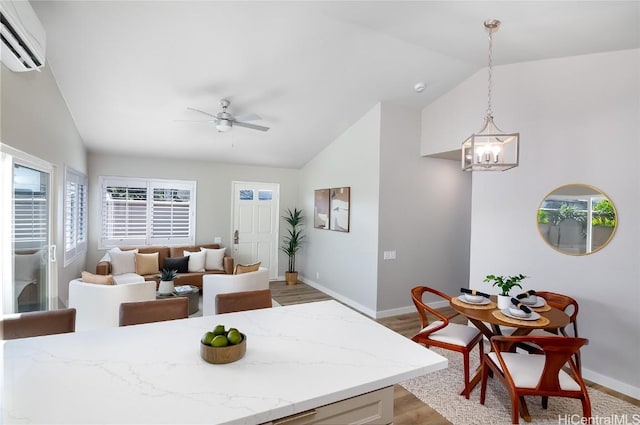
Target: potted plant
(505, 284)
(166, 281)
(292, 242)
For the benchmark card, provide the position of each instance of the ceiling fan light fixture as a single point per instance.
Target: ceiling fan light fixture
(490, 149)
(223, 125)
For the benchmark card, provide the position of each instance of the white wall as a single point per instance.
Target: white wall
(425, 216)
(35, 120)
(579, 119)
(346, 262)
(213, 193)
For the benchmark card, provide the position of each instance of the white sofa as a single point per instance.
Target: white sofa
(214, 284)
(98, 306)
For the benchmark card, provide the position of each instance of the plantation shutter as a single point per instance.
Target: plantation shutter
(30, 216)
(171, 214)
(147, 212)
(75, 215)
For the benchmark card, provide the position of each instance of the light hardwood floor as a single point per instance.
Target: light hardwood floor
(408, 409)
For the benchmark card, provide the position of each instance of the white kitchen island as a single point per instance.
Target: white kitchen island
(298, 358)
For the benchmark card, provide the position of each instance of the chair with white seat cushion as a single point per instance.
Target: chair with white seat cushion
(444, 334)
(527, 374)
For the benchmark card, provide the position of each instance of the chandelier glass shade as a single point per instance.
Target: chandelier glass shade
(490, 149)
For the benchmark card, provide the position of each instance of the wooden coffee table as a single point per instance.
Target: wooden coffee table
(193, 294)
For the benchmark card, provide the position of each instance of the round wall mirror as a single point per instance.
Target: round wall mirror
(577, 219)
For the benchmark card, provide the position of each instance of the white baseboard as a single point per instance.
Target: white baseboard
(611, 383)
(369, 312)
(339, 297)
(408, 309)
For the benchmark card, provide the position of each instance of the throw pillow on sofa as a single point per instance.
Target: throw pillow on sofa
(246, 268)
(214, 258)
(123, 261)
(196, 261)
(181, 264)
(97, 278)
(147, 264)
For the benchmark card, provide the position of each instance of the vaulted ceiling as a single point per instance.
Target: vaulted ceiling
(129, 70)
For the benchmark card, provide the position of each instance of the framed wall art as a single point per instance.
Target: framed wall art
(339, 200)
(321, 209)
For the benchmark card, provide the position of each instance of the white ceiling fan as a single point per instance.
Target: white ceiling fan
(224, 121)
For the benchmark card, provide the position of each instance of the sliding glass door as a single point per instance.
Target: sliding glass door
(27, 249)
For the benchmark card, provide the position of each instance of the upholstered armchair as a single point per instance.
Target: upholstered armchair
(215, 284)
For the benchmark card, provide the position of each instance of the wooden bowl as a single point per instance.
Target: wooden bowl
(222, 355)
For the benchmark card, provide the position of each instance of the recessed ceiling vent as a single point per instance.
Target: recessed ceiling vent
(23, 38)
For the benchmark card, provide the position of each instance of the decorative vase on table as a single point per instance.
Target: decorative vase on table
(166, 281)
(506, 284)
(504, 301)
(166, 287)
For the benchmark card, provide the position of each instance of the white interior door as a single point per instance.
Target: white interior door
(254, 232)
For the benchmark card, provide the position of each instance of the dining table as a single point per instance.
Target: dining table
(302, 361)
(491, 321)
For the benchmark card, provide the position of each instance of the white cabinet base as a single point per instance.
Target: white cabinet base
(374, 408)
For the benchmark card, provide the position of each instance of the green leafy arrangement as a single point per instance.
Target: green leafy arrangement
(505, 283)
(168, 275)
(292, 242)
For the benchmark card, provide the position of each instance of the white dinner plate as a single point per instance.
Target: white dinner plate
(533, 316)
(539, 303)
(484, 301)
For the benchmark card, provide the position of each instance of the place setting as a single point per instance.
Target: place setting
(522, 312)
(470, 298)
(534, 302)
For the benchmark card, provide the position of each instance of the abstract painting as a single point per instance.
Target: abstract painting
(321, 209)
(339, 200)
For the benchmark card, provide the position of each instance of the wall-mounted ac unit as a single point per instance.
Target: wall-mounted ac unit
(23, 37)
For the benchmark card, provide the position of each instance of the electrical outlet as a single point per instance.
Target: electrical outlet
(389, 255)
(217, 240)
(317, 275)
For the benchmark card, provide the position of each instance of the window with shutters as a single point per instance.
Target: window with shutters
(30, 215)
(147, 212)
(75, 214)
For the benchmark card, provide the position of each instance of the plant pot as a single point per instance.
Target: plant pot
(504, 301)
(166, 287)
(291, 278)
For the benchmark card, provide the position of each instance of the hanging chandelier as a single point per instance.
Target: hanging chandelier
(490, 149)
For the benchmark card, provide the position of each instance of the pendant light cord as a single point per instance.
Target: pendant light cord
(490, 79)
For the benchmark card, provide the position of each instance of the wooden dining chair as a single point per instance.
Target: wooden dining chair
(444, 334)
(38, 323)
(136, 313)
(245, 300)
(525, 374)
(570, 307)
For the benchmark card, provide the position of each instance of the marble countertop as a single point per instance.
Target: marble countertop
(298, 357)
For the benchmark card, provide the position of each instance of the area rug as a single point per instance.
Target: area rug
(440, 390)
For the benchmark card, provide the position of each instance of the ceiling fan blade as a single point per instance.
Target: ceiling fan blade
(202, 112)
(249, 117)
(251, 126)
(208, 121)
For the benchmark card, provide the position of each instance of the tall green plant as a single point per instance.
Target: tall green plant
(292, 242)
